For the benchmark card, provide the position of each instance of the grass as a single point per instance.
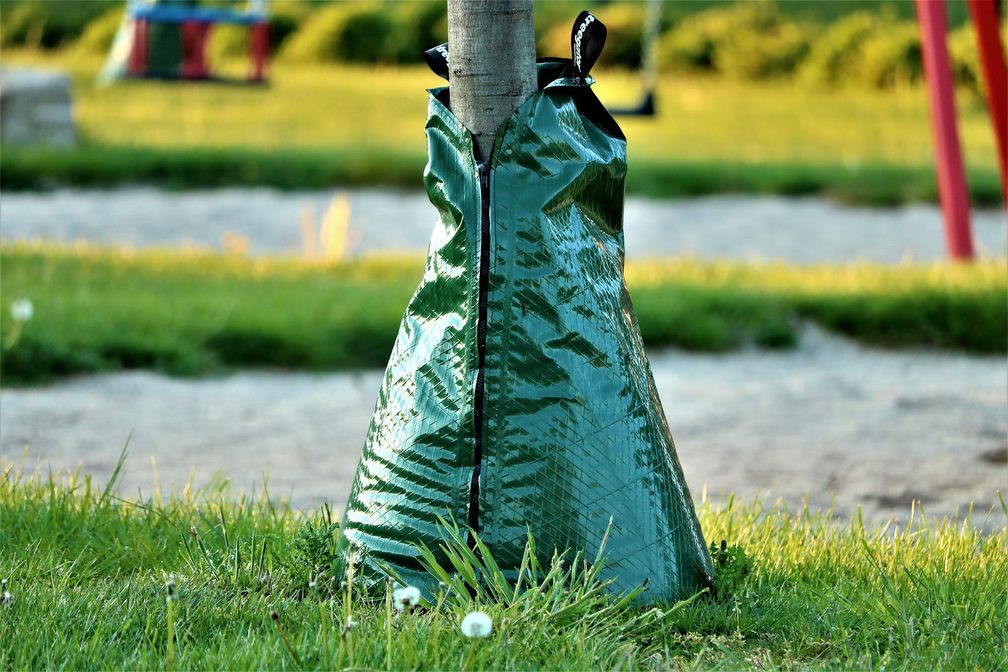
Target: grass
(190, 312)
(365, 126)
(205, 168)
(90, 575)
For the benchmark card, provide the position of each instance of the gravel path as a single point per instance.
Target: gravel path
(831, 420)
(807, 230)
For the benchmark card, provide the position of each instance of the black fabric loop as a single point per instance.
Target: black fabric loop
(437, 59)
(587, 39)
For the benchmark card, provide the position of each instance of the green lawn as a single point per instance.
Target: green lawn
(87, 574)
(320, 125)
(190, 312)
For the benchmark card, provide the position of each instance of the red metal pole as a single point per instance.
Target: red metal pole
(138, 51)
(204, 38)
(995, 73)
(951, 175)
(259, 49)
(194, 43)
(190, 48)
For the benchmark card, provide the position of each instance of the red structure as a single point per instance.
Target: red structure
(154, 26)
(138, 52)
(995, 73)
(194, 41)
(259, 46)
(952, 190)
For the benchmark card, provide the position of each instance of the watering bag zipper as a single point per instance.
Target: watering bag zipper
(438, 59)
(481, 334)
(587, 38)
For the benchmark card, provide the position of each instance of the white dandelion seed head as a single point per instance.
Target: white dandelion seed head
(350, 624)
(22, 310)
(170, 591)
(5, 597)
(405, 598)
(477, 625)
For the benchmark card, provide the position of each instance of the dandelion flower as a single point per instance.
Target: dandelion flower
(5, 597)
(405, 598)
(170, 591)
(22, 310)
(477, 625)
(350, 624)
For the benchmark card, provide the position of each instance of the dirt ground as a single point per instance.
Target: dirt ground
(837, 423)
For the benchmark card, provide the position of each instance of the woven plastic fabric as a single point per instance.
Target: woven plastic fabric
(551, 423)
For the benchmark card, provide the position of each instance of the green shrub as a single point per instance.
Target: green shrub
(776, 50)
(872, 50)
(419, 26)
(47, 24)
(965, 59)
(286, 17)
(228, 41)
(749, 40)
(354, 33)
(282, 26)
(361, 32)
(831, 55)
(315, 40)
(99, 33)
(366, 36)
(23, 26)
(692, 45)
(889, 57)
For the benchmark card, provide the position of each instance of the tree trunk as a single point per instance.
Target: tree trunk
(491, 46)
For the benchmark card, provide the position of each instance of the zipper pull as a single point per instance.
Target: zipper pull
(484, 177)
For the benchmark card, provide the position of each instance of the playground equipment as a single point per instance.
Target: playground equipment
(649, 64)
(952, 190)
(167, 39)
(951, 174)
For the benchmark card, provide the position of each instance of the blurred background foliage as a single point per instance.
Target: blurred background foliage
(789, 97)
(860, 43)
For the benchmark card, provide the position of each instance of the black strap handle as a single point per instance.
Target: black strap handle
(437, 59)
(587, 39)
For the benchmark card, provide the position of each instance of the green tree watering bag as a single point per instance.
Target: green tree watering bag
(518, 397)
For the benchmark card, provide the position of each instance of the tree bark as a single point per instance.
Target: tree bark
(491, 46)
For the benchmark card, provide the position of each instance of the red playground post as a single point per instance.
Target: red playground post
(952, 190)
(192, 23)
(138, 52)
(259, 39)
(194, 40)
(995, 73)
